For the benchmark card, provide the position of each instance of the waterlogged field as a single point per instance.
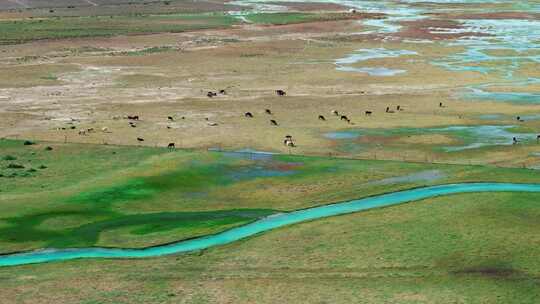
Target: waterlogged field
(447, 139)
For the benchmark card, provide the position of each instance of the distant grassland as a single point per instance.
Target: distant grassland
(293, 17)
(20, 31)
(24, 30)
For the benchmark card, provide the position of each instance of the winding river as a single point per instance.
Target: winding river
(262, 225)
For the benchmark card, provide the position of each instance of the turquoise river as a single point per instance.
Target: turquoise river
(262, 225)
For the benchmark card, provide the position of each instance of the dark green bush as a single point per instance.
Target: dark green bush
(15, 166)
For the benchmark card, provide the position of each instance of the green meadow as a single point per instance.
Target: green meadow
(74, 195)
(19, 31)
(30, 29)
(294, 17)
(477, 248)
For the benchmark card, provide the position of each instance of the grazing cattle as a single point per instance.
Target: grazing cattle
(140, 139)
(211, 94)
(388, 110)
(170, 118)
(288, 137)
(273, 122)
(321, 117)
(368, 113)
(82, 132)
(222, 92)
(519, 119)
(537, 138)
(440, 105)
(248, 115)
(212, 124)
(168, 127)
(281, 93)
(398, 108)
(132, 125)
(344, 117)
(267, 111)
(90, 130)
(288, 143)
(134, 117)
(514, 140)
(335, 112)
(170, 146)
(183, 117)
(105, 130)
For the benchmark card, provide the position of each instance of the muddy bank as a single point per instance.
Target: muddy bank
(435, 29)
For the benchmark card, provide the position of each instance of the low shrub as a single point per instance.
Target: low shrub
(15, 166)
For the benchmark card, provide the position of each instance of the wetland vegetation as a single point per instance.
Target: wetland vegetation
(123, 124)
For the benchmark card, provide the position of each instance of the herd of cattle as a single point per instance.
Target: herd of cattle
(288, 141)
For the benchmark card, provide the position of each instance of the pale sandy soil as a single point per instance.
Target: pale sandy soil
(47, 85)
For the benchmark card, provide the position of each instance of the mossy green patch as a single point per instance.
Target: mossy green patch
(294, 17)
(31, 228)
(141, 196)
(133, 190)
(19, 31)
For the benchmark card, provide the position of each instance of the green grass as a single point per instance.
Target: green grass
(294, 17)
(20, 31)
(25, 30)
(86, 195)
(49, 77)
(467, 248)
(34, 228)
(148, 51)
